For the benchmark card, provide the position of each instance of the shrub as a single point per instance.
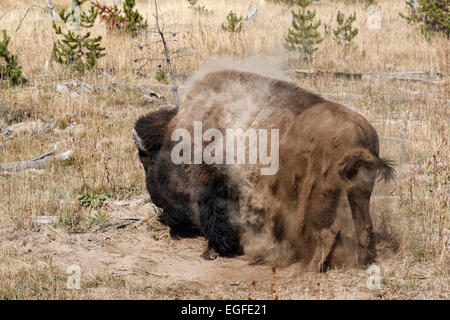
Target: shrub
(11, 70)
(131, 20)
(193, 4)
(234, 23)
(161, 76)
(304, 34)
(76, 49)
(344, 33)
(433, 16)
(436, 17)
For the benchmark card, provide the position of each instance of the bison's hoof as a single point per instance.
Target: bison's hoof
(209, 254)
(366, 256)
(174, 236)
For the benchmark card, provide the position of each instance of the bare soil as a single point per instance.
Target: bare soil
(141, 261)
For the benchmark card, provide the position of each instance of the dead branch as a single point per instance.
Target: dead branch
(412, 5)
(4, 13)
(26, 13)
(69, 88)
(47, 127)
(51, 7)
(168, 58)
(160, 29)
(35, 163)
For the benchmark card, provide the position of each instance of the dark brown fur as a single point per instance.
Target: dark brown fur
(325, 150)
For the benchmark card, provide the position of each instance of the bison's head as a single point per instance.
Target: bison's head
(149, 133)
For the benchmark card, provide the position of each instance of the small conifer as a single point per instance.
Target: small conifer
(304, 34)
(78, 50)
(344, 32)
(11, 70)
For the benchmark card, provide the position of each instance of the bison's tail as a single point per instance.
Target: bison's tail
(386, 169)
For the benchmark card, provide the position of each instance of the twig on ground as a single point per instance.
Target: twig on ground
(118, 224)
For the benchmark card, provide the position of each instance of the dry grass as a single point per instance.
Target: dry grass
(97, 125)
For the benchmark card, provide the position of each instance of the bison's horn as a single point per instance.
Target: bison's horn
(138, 141)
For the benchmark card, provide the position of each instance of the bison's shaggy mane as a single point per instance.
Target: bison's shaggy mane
(151, 130)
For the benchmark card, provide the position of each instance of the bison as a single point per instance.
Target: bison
(324, 151)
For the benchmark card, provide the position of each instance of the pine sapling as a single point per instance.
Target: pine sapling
(11, 70)
(193, 4)
(110, 15)
(433, 16)
(76, 49)
(115, 19)
(436, 17)
(344, 32)
(304, 35)
(368, 3)
(161, 76)
(134, 21)
(234, 24)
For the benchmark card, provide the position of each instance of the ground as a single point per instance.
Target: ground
(106, 224)
(141, 261)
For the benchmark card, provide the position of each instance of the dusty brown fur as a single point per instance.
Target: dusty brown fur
(325, 150)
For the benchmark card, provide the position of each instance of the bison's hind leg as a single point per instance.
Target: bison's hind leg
(359, 199)
(216, 205)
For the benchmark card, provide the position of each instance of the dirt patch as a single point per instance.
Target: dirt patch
(152, 265)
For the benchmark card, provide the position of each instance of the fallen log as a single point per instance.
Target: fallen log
(343, 95)
(10, 131)
(145, 92)
(414, 76)
(35, 163)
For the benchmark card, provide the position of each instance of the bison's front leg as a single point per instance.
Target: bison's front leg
(359, 199)
(326, 240)
(216, 207)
